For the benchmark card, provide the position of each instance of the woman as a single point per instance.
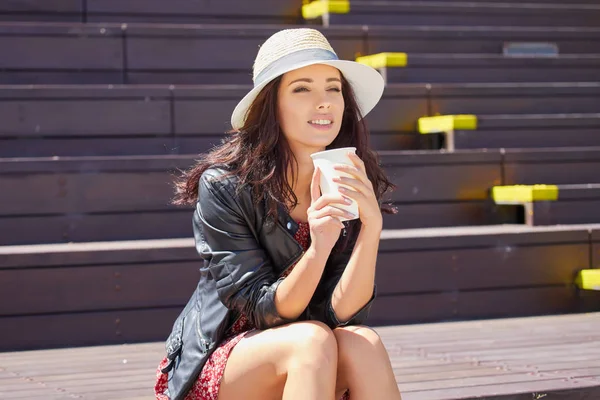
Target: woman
(285, 284)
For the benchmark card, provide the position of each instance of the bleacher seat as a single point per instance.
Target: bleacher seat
(103, 100)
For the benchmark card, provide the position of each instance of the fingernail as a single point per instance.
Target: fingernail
(347, 201)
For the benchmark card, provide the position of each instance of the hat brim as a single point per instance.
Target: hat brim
(367, 83)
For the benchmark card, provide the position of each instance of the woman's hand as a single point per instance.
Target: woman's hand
(361, 192)
(323, 216)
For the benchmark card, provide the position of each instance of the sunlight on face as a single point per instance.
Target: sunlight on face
(310, 106)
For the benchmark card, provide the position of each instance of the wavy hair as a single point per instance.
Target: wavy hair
(259, 155)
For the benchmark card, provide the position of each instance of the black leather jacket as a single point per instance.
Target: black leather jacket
(244, 256)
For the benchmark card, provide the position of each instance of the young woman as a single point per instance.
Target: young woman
(285, 285)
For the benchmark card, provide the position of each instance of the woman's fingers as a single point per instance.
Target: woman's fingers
(358, 174)
(332, 211)
(328, 199)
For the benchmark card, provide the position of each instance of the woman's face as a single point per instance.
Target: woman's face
(310, 106)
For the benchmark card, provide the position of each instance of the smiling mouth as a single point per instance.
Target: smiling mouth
(321, 123)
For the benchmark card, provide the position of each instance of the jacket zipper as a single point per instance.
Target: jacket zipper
(204, 341)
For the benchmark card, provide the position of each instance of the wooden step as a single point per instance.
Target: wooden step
(509, 359)
(98, 198)
(175, 11)
(482, 68)
(424, 275)
(109, 53)
(162, 119)
(430, 38)
(531, 131)
(465, 13)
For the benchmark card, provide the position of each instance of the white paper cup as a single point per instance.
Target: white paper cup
(326, 160)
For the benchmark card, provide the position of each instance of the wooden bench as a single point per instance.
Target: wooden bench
(163, 119)
(507, 359)
(110, 53)
(176, 11)
(77, 294)
(461, 13)
(530, 131)
(482, 68)
(98, 198)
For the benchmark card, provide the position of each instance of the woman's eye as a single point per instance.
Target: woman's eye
(336, 89)
(300, 89)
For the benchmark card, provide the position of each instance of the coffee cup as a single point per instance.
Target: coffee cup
(326, 160)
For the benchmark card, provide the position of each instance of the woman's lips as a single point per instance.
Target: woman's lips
(321, 127)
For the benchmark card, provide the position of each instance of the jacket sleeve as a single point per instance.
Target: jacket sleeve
(321, 308)
(243, 272)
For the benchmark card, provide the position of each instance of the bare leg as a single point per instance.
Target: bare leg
(294, 361)
(364, 365)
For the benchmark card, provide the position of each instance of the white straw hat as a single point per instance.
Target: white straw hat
(291, 49)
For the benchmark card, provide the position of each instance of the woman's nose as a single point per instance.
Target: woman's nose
(324, 104)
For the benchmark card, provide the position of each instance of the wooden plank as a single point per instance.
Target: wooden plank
(538, 121)
(415, 172)
(455, 305)
(567, 212)
(49, 165)
(399, 108)
(262, 11)
(95, 227)
(67, 47)
(39, 111)
(521, 138)
(86, 329)
(482, 237)
(516, 391)
(509, 2)
(437, 214)
(167, 51)
(472, 68)
(84, 110)
(78, 193)
(473, 14)
(480, 268)
(98, 253)
(423, 369)
(118, 286)
(476, 39)
(35, 10)
(108, 287)
(109, 146)
(164, 145)
(552, 167)
(514, 98)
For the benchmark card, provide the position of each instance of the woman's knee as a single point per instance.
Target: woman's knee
(313, 343)
(356, 342)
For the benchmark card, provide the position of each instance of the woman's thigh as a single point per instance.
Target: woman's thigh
(257, 366)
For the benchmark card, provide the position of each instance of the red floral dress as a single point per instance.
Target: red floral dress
(208, 383)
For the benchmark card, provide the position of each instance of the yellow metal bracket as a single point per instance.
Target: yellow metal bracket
(519, 194)
(383, 60)
(322, 8)
(447, 124)
(588, 279)
(524, 195)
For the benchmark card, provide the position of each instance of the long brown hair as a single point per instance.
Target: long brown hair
(259, 155)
